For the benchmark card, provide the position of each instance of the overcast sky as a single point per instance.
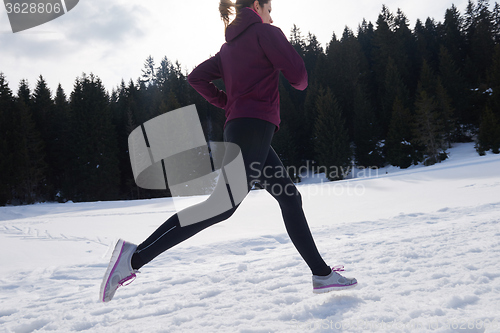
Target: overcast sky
(112, 39)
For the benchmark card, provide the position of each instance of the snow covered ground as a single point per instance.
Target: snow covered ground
(424, 244)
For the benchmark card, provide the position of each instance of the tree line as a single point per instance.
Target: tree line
(387, 94)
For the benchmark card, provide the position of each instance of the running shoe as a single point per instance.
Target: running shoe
(119, 270)
(333, 281)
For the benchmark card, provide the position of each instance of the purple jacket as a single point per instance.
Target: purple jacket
(249, 63)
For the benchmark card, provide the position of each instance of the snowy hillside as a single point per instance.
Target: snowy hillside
(423, 243)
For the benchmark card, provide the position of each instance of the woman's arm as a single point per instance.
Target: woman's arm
(283, 56)
(201, 80)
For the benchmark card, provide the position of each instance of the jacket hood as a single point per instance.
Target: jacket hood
(243, 20)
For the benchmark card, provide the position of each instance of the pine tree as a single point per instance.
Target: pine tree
(433, 116)
(445, 112)
(299, 44)
(405, 50)
(367, 136)
(283, 144)
(43, 115)
(24, 93)
(120, 118)
(61, 146)
(428, 43)
(163, 73)
(321, 74)
(428, 80)
(489, 133)
(300, 121)
(43, 107)
(480, 40)
(393, 40)
(494, 82)
(172, 102)
(148, 72)
(347, 67)
(330, 65)
(297, 41)
(352, 65)
(455, 86)
(29, 156)
(496, 23)
(382, 51)
(95, 172)
(287, 141)
(428, 127)
(365, 38)
(393, 88)
(453, 38)
(7, 168)
(178, 85)
(332, 146)
(129, 112)
(312, 52)
(134, 99)
(399, 148)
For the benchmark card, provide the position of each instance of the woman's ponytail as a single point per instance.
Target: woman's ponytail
(225, 9)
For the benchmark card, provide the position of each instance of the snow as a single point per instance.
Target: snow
(423, 244)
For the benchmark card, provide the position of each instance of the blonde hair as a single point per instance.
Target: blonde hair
(226, 8)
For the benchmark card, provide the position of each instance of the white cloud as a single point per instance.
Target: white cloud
(106, 22)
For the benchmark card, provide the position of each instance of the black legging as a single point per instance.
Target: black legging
(253, 136)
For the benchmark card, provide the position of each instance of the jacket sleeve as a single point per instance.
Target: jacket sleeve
(201, 80)
(284, 57)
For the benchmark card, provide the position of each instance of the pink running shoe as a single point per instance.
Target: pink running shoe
(119, 270)
(333, 281)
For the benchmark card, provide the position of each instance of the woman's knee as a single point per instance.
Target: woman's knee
(297, 197)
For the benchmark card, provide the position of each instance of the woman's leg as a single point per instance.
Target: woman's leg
(274, 178)
(253, 136)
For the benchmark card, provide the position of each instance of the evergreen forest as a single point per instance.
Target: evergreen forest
(385, 94)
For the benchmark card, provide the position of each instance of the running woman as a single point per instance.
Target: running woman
(249, 63)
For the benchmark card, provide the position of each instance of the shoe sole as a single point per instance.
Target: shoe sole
(115, 258)
(333, 288)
